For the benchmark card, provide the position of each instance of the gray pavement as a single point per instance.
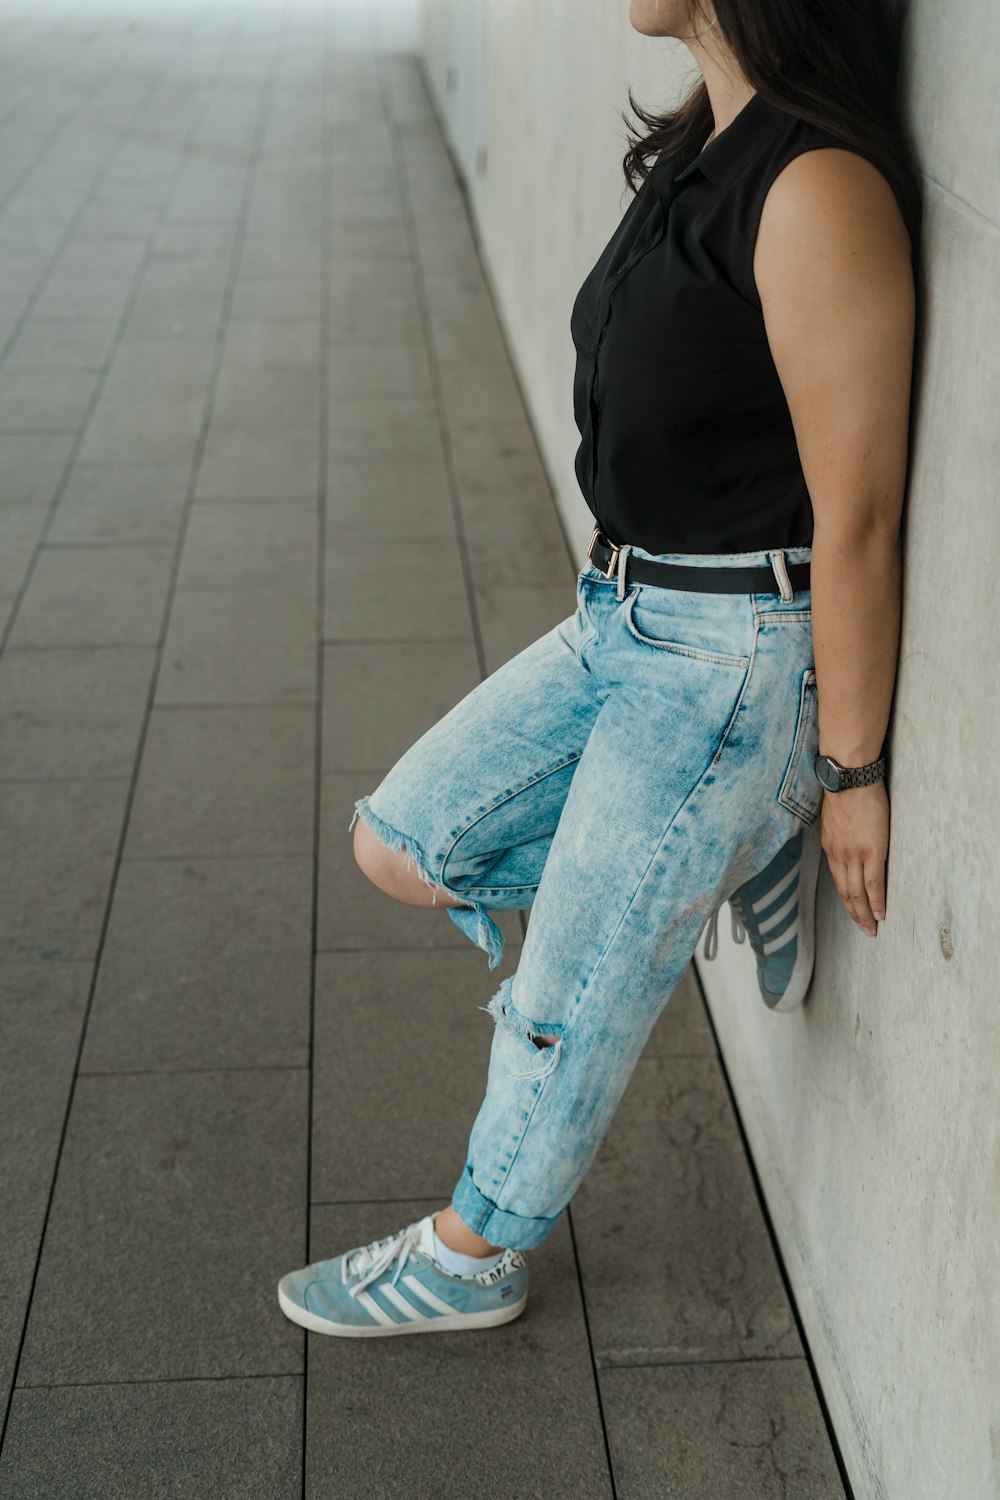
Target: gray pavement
(253, 395)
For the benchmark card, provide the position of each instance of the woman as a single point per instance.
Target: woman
(744, 355)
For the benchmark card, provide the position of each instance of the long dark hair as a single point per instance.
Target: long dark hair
(832, 65)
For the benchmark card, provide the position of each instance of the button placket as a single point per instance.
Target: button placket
(609, 290)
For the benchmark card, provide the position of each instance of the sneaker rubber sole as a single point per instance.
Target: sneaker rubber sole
(447, 1322)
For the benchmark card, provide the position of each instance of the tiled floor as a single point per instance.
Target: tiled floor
(248, 406)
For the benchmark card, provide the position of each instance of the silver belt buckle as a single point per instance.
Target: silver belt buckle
(609, 571)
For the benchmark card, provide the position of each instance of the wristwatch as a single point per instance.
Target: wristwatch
(836, 778)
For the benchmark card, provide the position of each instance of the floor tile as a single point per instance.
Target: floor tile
(42, 1006)
(59, 840)
(402, 1127)
(225, 781)
(165, 318)
(220, 979)
(379, 699)
(243, 619)
(72, 714)
(22, 529)
(402, 501)
(260, 344)
(45, 398)
(207, 1171)
(515, 540)
(695, 1432)
(163, 1441)
(122, 502)
(62, 344)
(96, 294)
(95, 596)
(210, 659)
(676, 1259)
(391, 320)
(383, 428)
(270, 254)
(202, 274)
(359, 370)
(87, 254)
(354, 239)
(256, 400)
(493, 456)
(208, 194)
(32, 466)
(276, 297)
(474, 394)
(193, 239)
(266, 466)
(513, 617)
(152, 405)
(404, 591)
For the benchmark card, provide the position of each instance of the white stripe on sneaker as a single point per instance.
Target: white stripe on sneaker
(403, 1303)
(775, 891)
(782, 938)
(371, 1306)
(424, 1292)
(776, 918)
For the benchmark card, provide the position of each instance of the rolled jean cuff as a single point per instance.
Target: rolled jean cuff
(482, 1216)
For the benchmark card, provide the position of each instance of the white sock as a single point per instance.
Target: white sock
(462, 1265)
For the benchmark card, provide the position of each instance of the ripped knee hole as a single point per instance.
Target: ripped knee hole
(504, 1012)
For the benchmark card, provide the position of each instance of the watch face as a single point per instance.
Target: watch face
(827, 773)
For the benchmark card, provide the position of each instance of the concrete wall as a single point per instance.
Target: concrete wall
(872, 1112)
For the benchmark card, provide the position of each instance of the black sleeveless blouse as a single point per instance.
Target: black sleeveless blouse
(687, 442)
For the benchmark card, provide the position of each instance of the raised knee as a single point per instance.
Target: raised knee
(394, 872)
(382, 865)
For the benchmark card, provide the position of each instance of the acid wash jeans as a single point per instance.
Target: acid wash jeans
(621, 777)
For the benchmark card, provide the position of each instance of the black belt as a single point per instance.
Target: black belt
(604, 555)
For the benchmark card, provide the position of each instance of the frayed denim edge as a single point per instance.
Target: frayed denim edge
(472, 919)
(506, 1014)
(415, 857)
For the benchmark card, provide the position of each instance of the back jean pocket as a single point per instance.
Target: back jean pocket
(653, 622)
(801, 790)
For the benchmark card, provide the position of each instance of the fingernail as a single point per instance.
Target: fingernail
(879, 916)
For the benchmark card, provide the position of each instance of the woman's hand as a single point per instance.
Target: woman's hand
(855, 839)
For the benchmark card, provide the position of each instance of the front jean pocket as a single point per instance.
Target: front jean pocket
(654, 625)
(801, 790)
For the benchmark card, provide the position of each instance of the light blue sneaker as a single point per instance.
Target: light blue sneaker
(777, 908)
(359, 1295)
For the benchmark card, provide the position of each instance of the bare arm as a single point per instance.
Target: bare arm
(833, 269)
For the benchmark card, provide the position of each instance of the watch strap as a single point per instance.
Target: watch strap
(863, 775)
(848, 776)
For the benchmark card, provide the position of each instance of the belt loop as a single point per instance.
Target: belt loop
(622, 558)
(777, 561)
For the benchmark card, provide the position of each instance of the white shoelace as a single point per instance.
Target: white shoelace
(370, 1261)
(712, 931)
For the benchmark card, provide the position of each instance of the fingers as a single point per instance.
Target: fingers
(860, 882)
(857, 897)
(875, 887)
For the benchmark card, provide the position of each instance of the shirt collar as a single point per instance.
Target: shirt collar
(724, 157)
